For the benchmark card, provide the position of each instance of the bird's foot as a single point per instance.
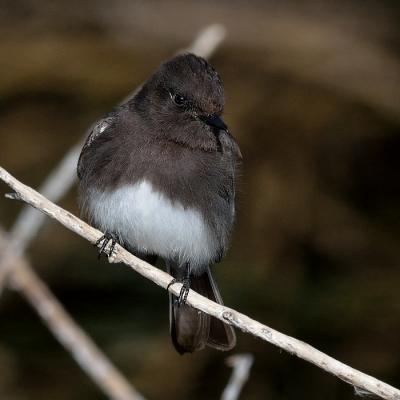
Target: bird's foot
(181, 299)
(104, 240)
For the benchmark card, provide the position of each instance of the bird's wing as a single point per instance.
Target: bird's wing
(97, 130)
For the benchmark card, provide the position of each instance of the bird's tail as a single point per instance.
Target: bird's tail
(192, 329)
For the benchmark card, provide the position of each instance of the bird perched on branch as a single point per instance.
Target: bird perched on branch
(157, 175)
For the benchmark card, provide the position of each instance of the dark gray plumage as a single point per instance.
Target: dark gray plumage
(158, 173)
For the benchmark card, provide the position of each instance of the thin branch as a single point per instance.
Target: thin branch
(55, 187)
(241, 364)
(29, 220)
(240, 321)
(64, 328)
(207, 41)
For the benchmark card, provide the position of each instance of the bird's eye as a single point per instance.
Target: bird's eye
(178, 99)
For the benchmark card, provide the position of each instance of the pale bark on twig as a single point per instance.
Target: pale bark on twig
(241, 364)
(64, 328)
(240, 321)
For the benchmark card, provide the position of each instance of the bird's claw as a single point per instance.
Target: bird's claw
(103, 241)
(183, 294)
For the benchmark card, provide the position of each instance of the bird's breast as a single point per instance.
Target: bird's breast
(150, 222)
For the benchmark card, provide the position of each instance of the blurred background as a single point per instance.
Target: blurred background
(313, 99)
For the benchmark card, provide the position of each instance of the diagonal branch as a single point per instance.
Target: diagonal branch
(241, 364)
(64, 328)
(241, 321)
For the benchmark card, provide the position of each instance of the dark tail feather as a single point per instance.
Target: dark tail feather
(222, 336)
(191, 329)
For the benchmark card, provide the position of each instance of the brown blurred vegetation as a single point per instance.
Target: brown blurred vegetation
(313, 98)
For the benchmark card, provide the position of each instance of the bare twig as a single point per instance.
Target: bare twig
(55, 187)
(207, 40)
(241, 364)
(241, 321)
(29, 220)
(64, 328)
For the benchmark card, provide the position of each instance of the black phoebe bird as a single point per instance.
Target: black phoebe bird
(157, 175)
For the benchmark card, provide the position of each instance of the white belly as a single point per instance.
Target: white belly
(150, 222)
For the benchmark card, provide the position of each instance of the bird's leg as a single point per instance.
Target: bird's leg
(108, 236)
(185, 286)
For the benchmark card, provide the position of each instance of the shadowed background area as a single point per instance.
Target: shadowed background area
(313, 99)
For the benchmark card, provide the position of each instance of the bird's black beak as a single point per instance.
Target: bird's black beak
(214, 121)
